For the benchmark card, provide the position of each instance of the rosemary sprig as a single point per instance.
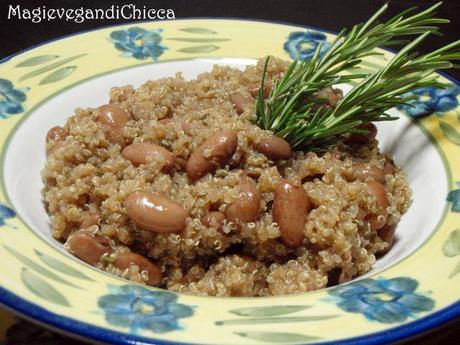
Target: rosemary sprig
(291, 111)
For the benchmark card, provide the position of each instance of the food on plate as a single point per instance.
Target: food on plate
(263, 181)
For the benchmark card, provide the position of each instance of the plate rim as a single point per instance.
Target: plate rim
(39, 314)
(74, 327)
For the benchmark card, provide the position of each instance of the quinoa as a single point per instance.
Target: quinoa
(86, 174)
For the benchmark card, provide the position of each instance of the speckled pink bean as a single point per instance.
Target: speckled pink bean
(247, 208)
(155, 212)
(290, 209)
(214, 153)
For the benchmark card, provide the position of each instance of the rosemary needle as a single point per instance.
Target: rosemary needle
(291, 110)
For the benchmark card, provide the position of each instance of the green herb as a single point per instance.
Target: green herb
(294, 113)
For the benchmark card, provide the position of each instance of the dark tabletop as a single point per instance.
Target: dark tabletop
(325, 14)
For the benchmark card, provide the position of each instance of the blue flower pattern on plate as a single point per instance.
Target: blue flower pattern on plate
(11, 99)
(139, 43)
(382, 300)
(429, 100)
(139, 308)
(6, 213)
(454, 197)
(301, 45)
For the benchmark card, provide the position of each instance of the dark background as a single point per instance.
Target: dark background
(326, 14)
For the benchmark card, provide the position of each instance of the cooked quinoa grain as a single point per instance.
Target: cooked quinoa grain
(172, 185)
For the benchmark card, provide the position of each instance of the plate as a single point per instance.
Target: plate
(411, 290)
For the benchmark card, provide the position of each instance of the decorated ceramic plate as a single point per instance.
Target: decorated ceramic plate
(410, 290)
